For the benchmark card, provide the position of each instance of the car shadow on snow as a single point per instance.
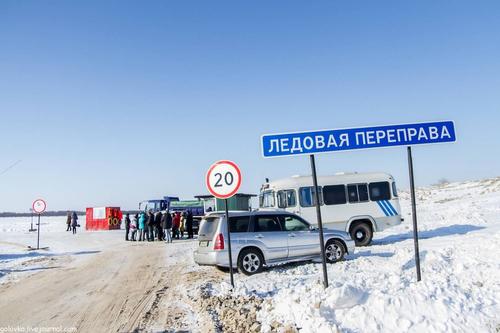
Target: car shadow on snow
(369, 253)
(455, 229)
(286, 267)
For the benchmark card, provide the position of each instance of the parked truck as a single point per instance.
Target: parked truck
(172, 205)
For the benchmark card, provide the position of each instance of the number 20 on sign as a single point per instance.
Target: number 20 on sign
(223, 179)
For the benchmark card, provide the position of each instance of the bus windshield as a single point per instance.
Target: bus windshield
(266, 199)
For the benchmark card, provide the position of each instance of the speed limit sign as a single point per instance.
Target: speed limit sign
(39, 206)
(223, 179)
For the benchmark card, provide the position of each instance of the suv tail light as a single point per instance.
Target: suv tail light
(219, 242)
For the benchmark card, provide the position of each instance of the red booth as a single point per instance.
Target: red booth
(103, 218)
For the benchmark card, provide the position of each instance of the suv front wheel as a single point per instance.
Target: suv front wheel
(334, 251)
(250, 261)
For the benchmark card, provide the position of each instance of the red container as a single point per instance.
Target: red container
(103, 218)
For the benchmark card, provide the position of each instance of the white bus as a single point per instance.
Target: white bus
(358, 203)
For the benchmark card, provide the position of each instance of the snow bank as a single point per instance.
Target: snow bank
(375, 289)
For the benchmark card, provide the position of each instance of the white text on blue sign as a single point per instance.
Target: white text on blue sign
(285, 144)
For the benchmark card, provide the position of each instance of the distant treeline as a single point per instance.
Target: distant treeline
(47, 213)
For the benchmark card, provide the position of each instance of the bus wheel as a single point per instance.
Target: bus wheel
(361, 233)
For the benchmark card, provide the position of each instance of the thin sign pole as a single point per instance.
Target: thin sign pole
(38, 237)
(229, 244)
(320, 222)
(414, 213)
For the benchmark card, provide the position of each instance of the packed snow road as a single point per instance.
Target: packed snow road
(117, 287)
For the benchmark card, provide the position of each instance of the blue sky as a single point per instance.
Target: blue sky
(110, 103)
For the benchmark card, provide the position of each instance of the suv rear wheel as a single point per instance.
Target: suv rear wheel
(250, 261)
(361, 233)
(334, 251)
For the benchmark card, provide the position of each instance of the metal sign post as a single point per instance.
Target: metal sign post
(38, 234)
(332, 140)
(414, 213)
(39, 207)
(320, 222)
(229, 243)
(223, 180)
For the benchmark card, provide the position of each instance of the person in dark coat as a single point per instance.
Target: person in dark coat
(68, 221)
(189, 224)
(167, 227)
(158, 229)
(127, 226)
(74, 222)
(151, 226)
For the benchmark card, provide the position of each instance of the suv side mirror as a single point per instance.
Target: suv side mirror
(312, 228)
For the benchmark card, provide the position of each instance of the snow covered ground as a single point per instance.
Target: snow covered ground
(375, 289)
(16, 262)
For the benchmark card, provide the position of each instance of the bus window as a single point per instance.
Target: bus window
(352, 193)
(266, 199)
(380, 191)
(307, 195)
(357, 193)
(363, 192)
(334, 195)
(286, 198)
(394, 189)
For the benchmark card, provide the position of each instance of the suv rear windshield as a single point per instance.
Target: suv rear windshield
(208, 226)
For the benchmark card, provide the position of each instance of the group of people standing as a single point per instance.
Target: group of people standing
(72, 222)
(158, 226)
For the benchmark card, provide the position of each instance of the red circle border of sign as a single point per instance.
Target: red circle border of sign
(44, 203)
(208, 175)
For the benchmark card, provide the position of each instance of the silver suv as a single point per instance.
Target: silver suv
(267, 238)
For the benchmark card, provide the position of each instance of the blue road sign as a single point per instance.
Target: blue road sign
(323, 141)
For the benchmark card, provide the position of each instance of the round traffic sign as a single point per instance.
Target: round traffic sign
(223, 179)
(39, 206)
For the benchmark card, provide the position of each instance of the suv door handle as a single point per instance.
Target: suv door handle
(291, 235)
(259, 236)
